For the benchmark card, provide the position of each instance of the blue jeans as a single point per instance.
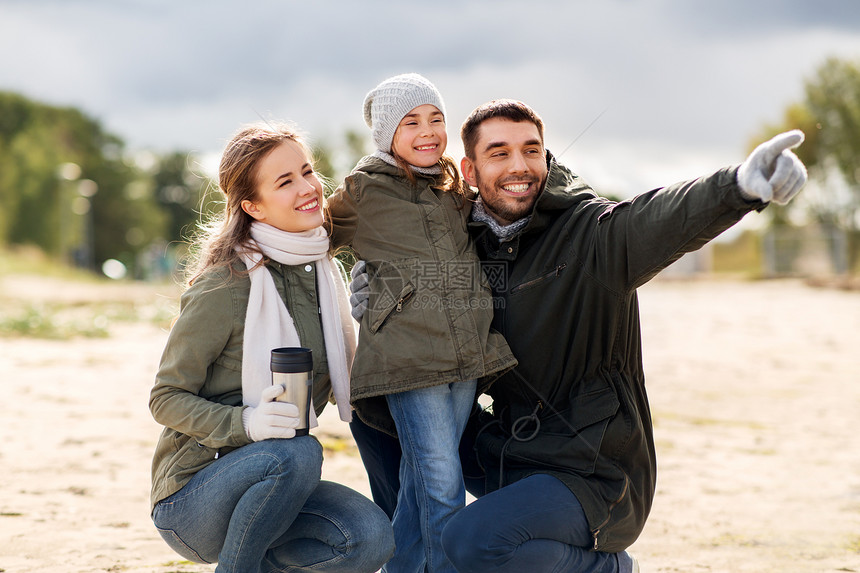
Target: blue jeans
(429, 424)
(535, 524)
(380, 454)
(263, 507)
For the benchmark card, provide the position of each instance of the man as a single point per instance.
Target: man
(566, 454)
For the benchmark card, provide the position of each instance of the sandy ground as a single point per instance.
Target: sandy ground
(755, 390)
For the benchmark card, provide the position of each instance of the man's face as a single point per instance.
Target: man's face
(509, 168)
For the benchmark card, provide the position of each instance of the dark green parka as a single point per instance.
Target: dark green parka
(575, 406)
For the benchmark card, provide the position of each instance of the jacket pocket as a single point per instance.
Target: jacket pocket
(390, 289)
(192, 457)
(395, 304)
(228, 362)
(571, 439)
(537, 281)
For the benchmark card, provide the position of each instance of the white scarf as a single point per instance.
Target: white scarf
(269, 325)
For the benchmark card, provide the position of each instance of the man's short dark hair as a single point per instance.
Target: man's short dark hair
(505, 108)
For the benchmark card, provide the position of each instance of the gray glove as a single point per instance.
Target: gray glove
(772, 172)
(270, 419)
(359, 289)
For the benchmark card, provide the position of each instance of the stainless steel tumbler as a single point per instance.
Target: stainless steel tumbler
(293, 368)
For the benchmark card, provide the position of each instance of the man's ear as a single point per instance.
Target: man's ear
(252, 209)
(467, 168)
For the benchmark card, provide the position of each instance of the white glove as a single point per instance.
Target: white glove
(270, 419)
(772, 172)
(359, 289)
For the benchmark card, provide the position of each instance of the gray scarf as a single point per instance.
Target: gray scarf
(504, 233)
(389, 159)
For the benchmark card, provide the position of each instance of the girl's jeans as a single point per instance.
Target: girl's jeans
(534, 524)
(263, 507)
(429, 424)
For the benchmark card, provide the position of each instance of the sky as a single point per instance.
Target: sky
(635, 94)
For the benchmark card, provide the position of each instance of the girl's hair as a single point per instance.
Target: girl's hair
(218, 238)
(450, 178)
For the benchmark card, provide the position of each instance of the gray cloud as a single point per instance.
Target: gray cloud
(674, 80)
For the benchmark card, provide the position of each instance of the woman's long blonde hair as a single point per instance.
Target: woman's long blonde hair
(217, 239)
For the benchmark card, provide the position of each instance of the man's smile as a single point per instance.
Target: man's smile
(517, 188)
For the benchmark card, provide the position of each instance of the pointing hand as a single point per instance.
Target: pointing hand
(772, 172)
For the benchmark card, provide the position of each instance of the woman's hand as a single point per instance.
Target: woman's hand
(271, 419)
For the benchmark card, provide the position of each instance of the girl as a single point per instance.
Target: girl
(425, 337)
(231, 482)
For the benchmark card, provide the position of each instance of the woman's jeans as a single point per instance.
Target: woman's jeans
(263, 507)
(429, 424)
(534, 524)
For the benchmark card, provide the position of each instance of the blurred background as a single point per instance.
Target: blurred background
(113, 114)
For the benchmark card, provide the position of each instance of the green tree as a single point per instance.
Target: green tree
(65, 185)
(356, 146)
(181, 189)
(829, 115)
(324, 165)
(833, 99)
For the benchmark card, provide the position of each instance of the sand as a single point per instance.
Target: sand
(754, 387)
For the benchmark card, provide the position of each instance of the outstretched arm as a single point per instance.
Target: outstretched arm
(640, 237)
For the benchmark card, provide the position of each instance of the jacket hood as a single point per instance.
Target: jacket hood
(374, 165)
(371, 164)
(563, 189)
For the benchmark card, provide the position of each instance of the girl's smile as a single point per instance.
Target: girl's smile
(421, 139)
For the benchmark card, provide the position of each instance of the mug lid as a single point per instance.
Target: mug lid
(292, 359)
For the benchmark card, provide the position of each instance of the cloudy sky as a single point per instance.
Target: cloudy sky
(637, 93)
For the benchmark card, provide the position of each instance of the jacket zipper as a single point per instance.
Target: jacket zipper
(397, 308)
(596, 532)
(401, 301)
(555, 272)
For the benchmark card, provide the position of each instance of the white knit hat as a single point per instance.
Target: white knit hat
(386, 104)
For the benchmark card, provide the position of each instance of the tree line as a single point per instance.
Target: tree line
(72, 189)
(829, 115)
(76, 192)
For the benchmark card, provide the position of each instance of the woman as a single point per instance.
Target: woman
(231, 481)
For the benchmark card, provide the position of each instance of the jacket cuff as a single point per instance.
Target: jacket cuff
(734, 197)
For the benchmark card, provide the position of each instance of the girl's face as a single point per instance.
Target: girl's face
(420, 139)
(289, 193)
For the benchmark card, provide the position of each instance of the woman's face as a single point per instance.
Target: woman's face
(289, 193)
(420, 139)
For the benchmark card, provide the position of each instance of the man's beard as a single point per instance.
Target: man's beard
(509, 209)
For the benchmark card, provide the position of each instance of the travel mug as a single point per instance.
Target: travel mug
(293, 369)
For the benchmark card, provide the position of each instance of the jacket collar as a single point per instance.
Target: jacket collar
(373, 164)
(562, 190)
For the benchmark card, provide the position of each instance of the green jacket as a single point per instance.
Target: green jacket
(430, 308)
(566, 302)
(197, 395)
